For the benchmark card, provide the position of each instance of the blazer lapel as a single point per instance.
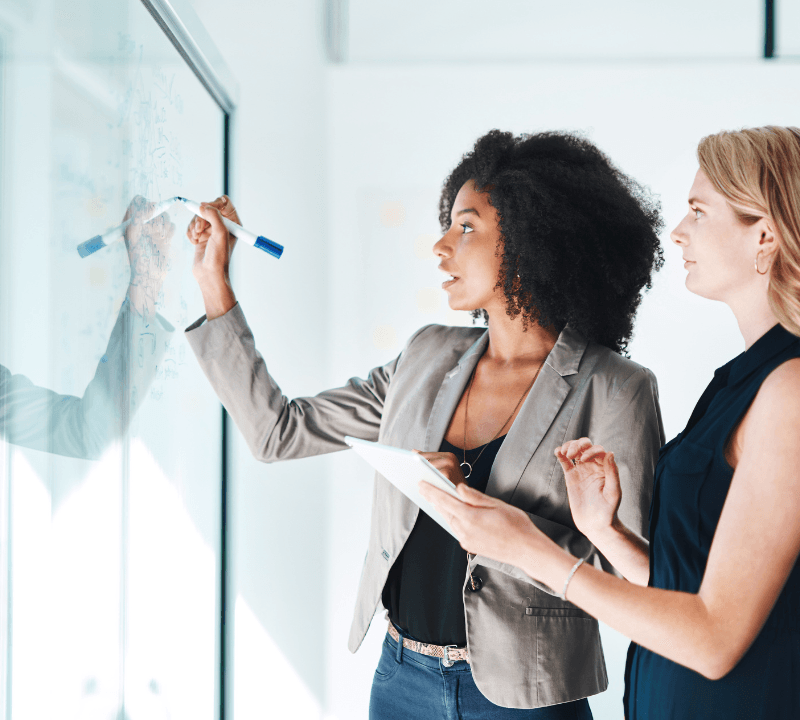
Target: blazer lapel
(450, 392)
(536, 415)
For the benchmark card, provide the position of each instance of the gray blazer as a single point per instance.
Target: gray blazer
(527, 648)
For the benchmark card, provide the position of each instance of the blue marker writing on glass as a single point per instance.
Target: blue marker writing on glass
(98, 242)
(257, 241)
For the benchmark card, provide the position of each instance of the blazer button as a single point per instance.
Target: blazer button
(474, 583)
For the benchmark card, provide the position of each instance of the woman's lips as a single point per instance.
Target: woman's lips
(447, 283)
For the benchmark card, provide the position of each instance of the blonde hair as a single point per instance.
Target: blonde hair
(758, 171)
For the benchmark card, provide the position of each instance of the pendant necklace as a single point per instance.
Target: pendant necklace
(475, 584)
(465, 466)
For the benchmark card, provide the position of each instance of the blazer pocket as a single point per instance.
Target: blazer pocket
(569, 657)
(557, 612)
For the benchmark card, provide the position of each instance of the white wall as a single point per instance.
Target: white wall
(787, 36)
(518, 30)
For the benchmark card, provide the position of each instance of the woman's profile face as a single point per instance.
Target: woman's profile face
(468, 252)
(719, 250)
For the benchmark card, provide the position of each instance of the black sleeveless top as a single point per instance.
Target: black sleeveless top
(423, 590)
(692, 479)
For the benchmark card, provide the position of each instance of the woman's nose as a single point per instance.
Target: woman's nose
(678, 235)
(443, 248)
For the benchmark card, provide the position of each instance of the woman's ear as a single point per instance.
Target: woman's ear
(768, 240)
(767, 245)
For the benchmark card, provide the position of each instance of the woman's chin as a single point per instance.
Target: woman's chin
(465, 307)
(697, 288)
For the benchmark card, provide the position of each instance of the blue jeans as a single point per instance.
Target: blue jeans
(412, 686)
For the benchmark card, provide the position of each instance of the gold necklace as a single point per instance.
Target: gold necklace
(476, 584)
(466, 410)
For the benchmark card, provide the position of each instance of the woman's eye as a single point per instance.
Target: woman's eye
(467, 229)
(697, 213)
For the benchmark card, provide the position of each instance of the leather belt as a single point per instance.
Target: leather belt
(448, 653)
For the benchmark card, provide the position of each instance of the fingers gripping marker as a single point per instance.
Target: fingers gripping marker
(258, 241)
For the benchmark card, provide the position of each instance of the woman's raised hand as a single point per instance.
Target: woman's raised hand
(213, 248)
(593, 485)
(199, 230)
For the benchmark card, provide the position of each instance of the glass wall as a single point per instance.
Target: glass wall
(109, 435)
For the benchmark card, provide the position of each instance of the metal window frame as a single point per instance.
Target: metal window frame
(5, 476)
(185, 31)
(769, 29)
(337, 25)
(178, 21)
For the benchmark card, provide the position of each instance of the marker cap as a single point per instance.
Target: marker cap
(268, 246)
(92, 245)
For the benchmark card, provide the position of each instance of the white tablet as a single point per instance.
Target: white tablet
(404, 469)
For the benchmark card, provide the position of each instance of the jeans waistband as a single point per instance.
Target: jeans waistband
(434, 663)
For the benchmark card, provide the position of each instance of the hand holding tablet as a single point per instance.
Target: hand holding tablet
(404, 469)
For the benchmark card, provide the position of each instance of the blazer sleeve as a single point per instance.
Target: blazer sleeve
(275, 427)
(632, 428)
(82, 427)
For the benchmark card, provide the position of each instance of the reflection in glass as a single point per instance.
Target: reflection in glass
(109, 436)
(83, 427)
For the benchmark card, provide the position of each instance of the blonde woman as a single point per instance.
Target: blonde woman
(716, 632)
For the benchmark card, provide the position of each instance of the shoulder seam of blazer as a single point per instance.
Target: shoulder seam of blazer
(640, 371)
(565, 356)
(460, 331)
(567, 353)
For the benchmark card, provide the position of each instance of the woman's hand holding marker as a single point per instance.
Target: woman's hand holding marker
(213, 248)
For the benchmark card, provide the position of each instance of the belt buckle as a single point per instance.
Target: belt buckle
(446, 661)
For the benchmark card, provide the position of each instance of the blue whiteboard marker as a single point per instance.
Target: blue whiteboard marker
(98, 242)
(257, 241)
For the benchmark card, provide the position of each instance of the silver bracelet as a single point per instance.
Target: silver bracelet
(580, 562)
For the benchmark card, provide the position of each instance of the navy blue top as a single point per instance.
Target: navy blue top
(691, 483)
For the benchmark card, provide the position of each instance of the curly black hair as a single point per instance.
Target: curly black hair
(581, 235)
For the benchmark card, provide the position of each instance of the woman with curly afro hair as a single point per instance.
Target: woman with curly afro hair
(553, 245)
(579, 238)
